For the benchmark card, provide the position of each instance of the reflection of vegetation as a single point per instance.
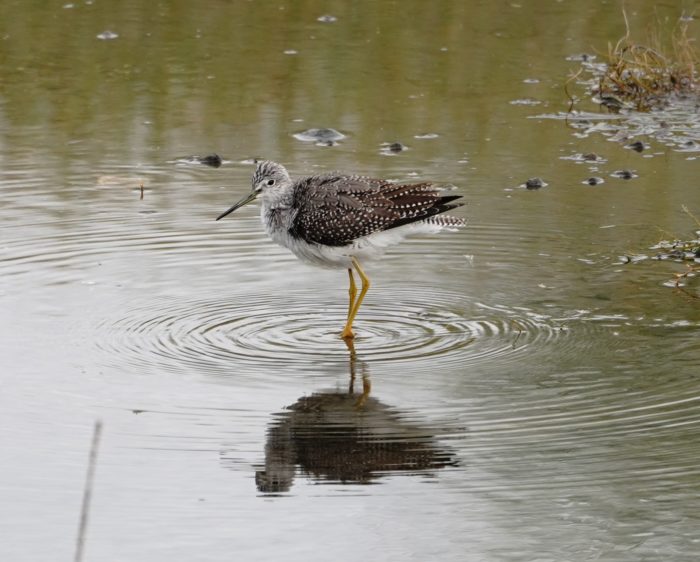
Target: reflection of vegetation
(680, 250)
(687, 251)
(645, 76)
(680, 279)
(675, 249)
(179, 65)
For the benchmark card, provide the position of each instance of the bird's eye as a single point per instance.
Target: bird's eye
(270, 182)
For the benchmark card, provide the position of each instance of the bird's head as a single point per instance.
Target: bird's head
(269, 179)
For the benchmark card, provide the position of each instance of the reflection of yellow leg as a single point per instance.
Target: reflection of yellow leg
(366, 384)
(353, 357)
(347, 331)
(366, 389)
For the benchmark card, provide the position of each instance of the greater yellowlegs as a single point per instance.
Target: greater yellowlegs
(337, 220)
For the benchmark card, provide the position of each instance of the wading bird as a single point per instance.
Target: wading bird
(337, 220)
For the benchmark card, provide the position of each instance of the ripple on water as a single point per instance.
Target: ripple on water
(293, 330)
(66, 250)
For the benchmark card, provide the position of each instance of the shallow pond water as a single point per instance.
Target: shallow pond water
(517, 391)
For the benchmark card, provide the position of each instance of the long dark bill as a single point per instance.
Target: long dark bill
(247, 199)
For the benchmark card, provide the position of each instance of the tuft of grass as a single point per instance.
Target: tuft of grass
(645, 77)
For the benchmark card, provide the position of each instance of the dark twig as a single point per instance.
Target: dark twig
(572, 101)
(87, 491)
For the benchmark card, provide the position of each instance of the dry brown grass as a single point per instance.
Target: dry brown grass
(645, 77)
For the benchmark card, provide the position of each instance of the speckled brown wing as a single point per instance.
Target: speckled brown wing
(335, 210)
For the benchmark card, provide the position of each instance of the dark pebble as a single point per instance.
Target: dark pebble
(590, 157)
(594, 181)
(637, 146)
(396, 147)
(624, 174)
(213, 160)
(534, 183)
(611, 102)
(582, 57)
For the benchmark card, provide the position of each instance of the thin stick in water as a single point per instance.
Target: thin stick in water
(87, 491)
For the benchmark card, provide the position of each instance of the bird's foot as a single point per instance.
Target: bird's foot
(347, 334)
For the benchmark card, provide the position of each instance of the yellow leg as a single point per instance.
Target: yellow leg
(352, 291)
(347, 332)
(352, 312)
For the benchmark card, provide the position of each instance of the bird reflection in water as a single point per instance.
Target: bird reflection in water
(346, 437)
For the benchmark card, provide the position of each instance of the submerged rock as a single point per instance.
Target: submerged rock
(678, 250)
(624, 174)
(107, 35)
(594, 181)
(391, 148)
(581, 57)
(635, 258)
(613, 103)
(534, 183)
(213, 160)
(525, 101)
(323, 136)
(584, 158)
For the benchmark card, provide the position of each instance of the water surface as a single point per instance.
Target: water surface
(516, 392)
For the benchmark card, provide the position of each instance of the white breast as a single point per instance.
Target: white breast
(367, 248)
